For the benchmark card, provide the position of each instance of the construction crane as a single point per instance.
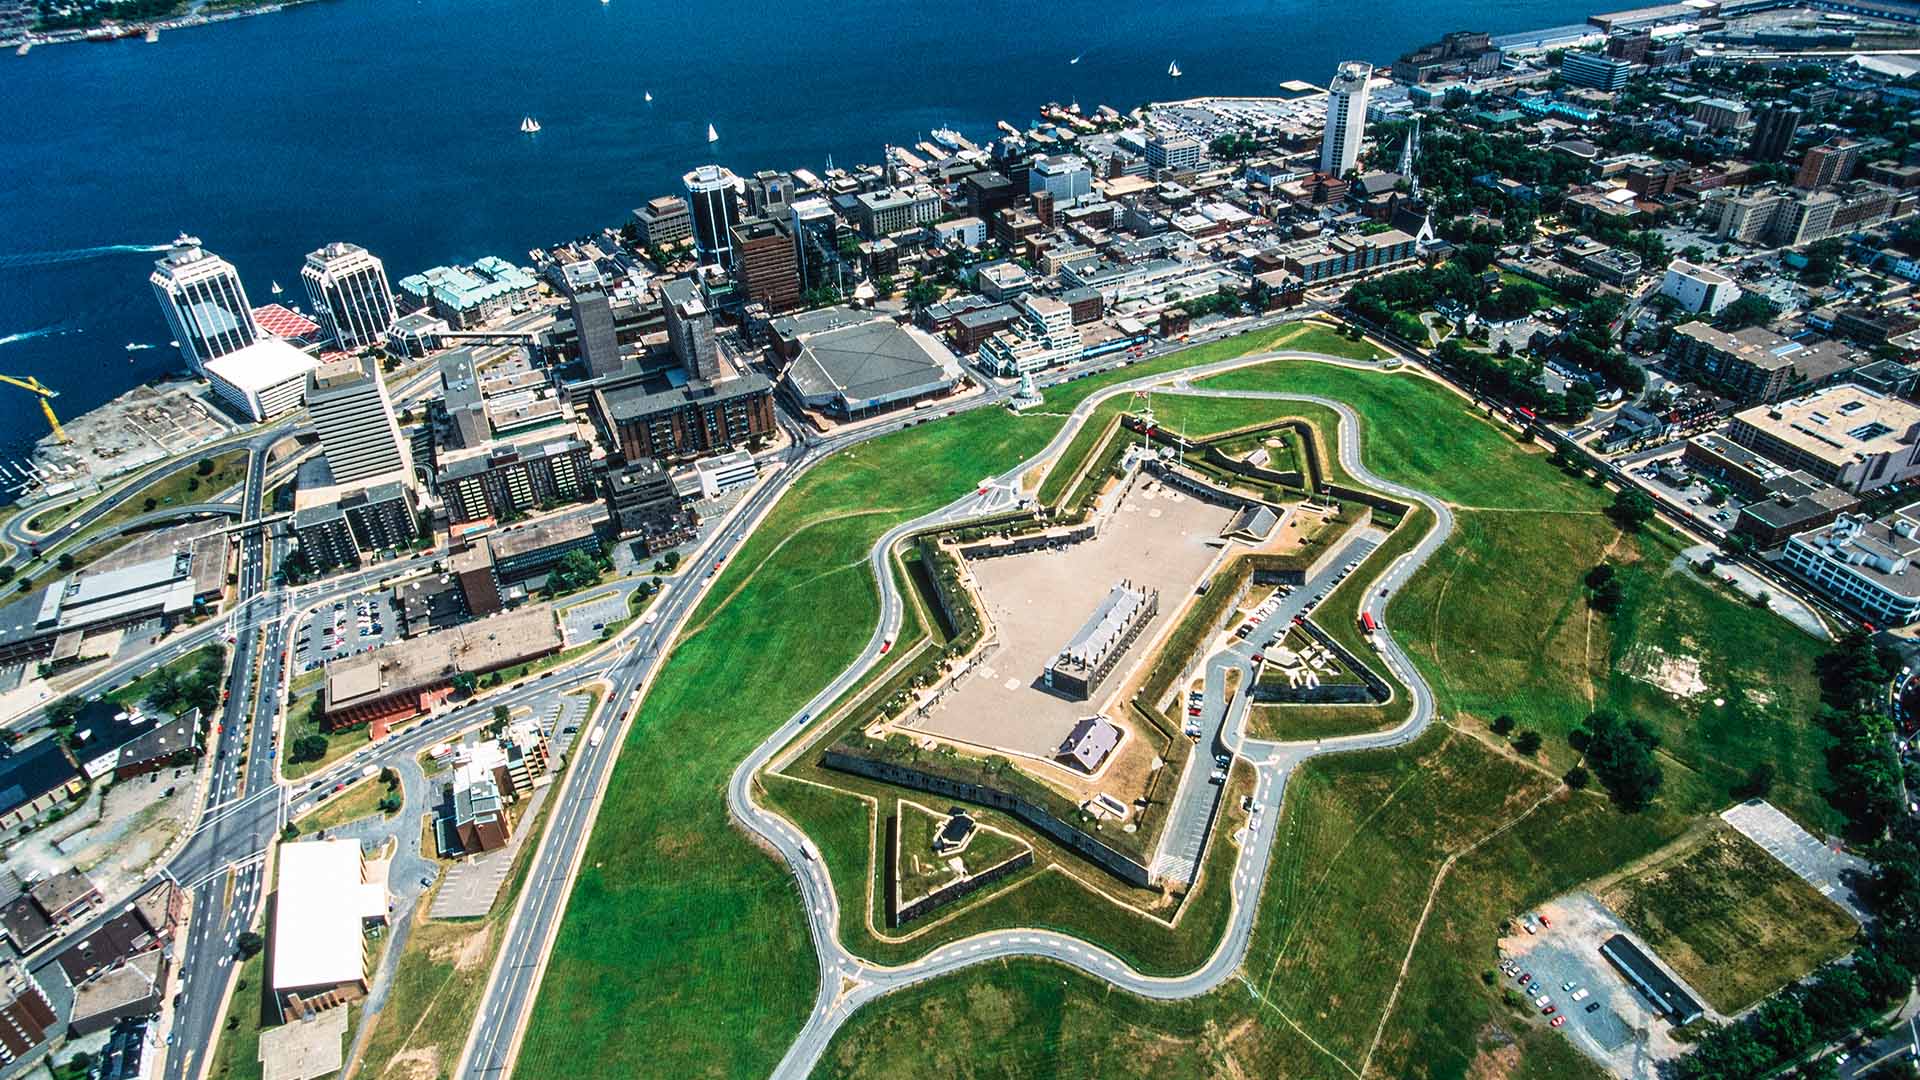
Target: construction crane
(32, 385)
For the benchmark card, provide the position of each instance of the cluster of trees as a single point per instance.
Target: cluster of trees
(1752, 309)
(78, 16)
(576, 570)
(176, 691)
(1222, 302)
(1620, 752)
(1801, 1018)
(1861, 761)
(1589, 343)
(1631, 509)
(1604, 591)
(1233, 147)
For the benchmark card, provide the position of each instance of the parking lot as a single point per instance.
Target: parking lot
(366, 621)
(1685, 491)
(1822, 867)
(1562, 955)
(583, 621)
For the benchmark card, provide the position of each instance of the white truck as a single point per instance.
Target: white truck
(598, 733)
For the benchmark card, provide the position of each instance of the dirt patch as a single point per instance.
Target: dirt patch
(1499, 1055)
(422, 1064)
(472, 952)
(1678, 676)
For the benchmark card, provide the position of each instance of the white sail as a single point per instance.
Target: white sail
(712, 135)
(1173, 69)
(648, 95)
(276, 290)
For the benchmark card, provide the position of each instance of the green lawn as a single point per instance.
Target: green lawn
(922, 871)
(1364, 837)
(237, 1056)
(1420, 433)
(358, 801)
(1731, 919)
(135, 692)
(182, 488)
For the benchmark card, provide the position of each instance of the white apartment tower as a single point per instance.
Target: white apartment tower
(348, 288)
(206, 307)
(358, 434)
(1346, 118)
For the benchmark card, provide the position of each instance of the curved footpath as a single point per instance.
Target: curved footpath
(847, 982)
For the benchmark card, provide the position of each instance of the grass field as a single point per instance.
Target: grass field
(1729, 918)
(135, 692)
(237, 1056)
(360, 800)
(922, 871)
(1365, 838)
(1420, 433)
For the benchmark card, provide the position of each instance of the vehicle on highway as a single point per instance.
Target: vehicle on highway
(596, 735)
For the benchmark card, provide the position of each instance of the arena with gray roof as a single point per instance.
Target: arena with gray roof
(863, 368)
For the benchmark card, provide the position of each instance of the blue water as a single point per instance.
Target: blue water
(394, 125)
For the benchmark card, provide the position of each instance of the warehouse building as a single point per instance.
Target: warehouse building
(398, 680)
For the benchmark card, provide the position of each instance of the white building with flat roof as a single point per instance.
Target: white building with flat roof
(724, 472)
(1346, 118)
(263, 380)
(1698, 289)
(328, 894)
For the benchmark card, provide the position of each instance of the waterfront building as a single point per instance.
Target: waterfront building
(664, 221)
(592, 312)
(1067, 179)
(358, 434)
(347, 287)
(204, 303)
(769, 194)
(1346, 118)
(1594, 71)
(263, 380)
(713, 208)
(816, 240)
(1172, 153)
(467, 298)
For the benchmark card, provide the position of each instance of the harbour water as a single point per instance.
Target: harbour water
(396, 126)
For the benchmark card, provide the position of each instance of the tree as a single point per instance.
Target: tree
(1631, 509)
(1502, 724)
(1577, 777)
(65, 711)
(1752, 309)
(501, 714)
(1620, 753)
(249, 944)
(1527, 742)
(205, 468)
(576, 570)
(65, 562)
(1758, 782)
(922, 293)
(309, 748)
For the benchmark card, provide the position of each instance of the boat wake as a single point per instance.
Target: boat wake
(29, 335)
(73, 255)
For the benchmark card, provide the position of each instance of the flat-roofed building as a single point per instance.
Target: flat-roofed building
(1699, 289)
(767, 264)
(664, 221)
(1347, 256)
(725, 472)
(641, 499)
(263, 380)
(396, 681)
(329, 894)
(1756, 364)
(497, 482)
(524, 551)
(1846, 435)
(166, 587)
(358, 433)
(1863, 564)
(657, 416)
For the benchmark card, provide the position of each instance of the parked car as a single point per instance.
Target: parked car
(1593, 1006)
(1582, 994)
(1557, 1021)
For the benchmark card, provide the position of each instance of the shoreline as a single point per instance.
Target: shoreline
(111, 30)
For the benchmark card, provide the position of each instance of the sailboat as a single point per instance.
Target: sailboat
(1173, 69)
(276, 290)
(712, 135)
(529, 125)
(648, 96)
(1076, 59)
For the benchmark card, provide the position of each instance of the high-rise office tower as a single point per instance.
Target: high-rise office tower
(690, 328)
(713, 202)
(816, 241)
(765, 264)
(358, 434)
(1346, 118)
(1773, 130)
(347, 286)
(205, 305)
(592, 317)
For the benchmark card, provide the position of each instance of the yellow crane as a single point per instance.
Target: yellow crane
(32, 385)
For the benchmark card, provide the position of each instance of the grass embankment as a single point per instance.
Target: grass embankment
(1364, 839)
(440, 975)
(1497, 624)
(658, 953)
(360, 800)
(135, 692)
(922, 871)
(180, 489)
(1729, 918)
(237, 1056)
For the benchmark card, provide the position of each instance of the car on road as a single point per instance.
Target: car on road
(1581, 994)
(1548, 1011)
(1568, 985)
